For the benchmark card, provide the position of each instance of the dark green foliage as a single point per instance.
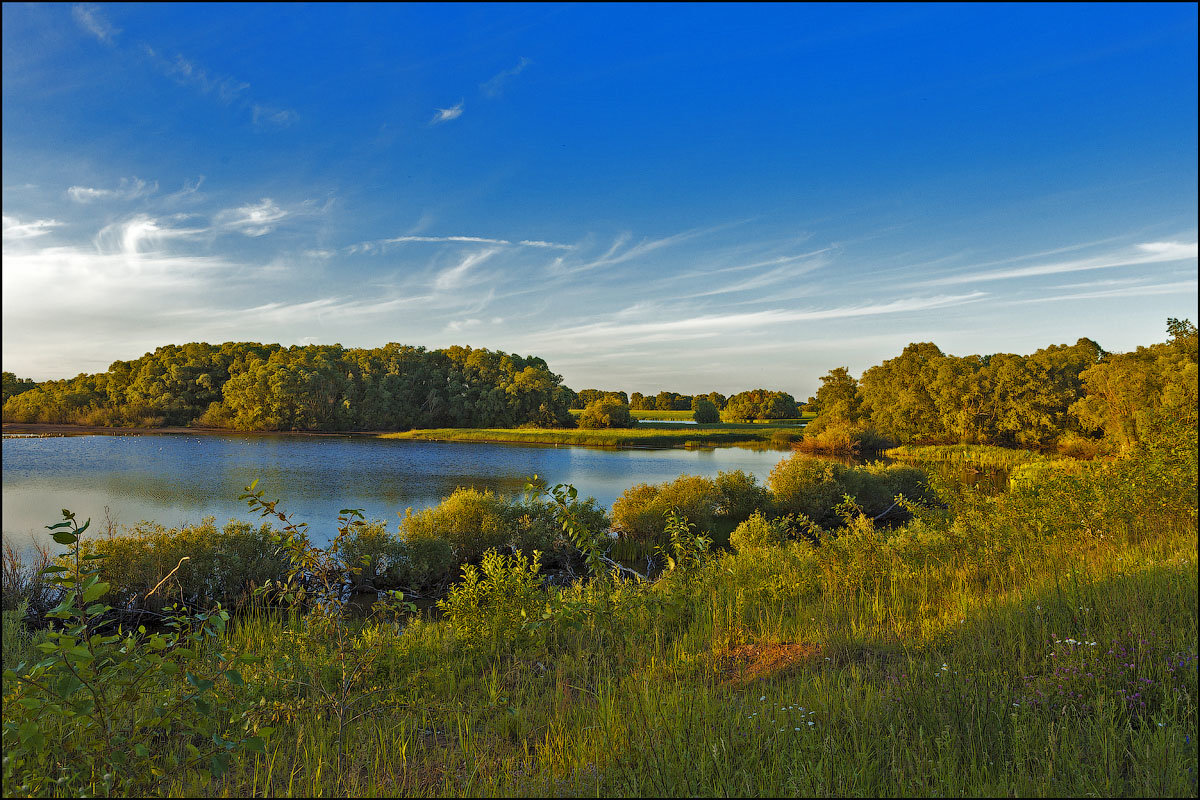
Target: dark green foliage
(437, 540)
(251, 386)
(1065, 396)
(759, 404)
(1147, 394)
(606, 413)
(14, 385)
(705, 412)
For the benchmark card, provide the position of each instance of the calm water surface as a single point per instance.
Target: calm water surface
(175, 479)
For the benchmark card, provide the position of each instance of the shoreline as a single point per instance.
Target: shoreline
(42, 429)
(683, 438)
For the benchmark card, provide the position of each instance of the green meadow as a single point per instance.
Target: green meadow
(646, 434)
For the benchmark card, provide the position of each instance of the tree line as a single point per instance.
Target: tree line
(252, 386)
(1060, 396)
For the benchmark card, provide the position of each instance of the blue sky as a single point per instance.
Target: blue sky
(650, 197)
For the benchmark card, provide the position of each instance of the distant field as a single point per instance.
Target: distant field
(679, 416)
(646, 435)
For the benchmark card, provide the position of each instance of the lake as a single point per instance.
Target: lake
(176, 479)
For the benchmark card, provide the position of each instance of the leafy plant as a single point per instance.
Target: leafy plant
(104, 712)
(320, 582)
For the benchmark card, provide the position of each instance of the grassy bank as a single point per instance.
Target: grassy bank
(1039, 642)
(981, 455)
(644, 435)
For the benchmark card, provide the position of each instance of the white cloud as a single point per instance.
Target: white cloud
(138, 234)
(367, 247)
(15, 229)
(447, 114)
(712, 325)
(495, 85)
(1144, 290)
(1145, 253)
(617, 255)
(252, 220)
(127, 189)
(91, 20)
(471, 239)
(462, 324)
(456, 276)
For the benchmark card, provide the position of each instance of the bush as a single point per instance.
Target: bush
(430, 562)
(119, 713)
(536, 525)
(493, 603)
(739, 495)
(608, 413)
(758, 531)
(815, 487)
(469, 520)
(641, 512)
(375, 558)
(24, 582)
(211, 565)
(843, 437)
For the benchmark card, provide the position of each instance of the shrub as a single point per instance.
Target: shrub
(758, 531)
(24, 581)
(469, 520)
(815, 487)
(536, 525)
(375, 558)
(641, 512)
(606, 413)
(119, 713)
(430, 562)
(493, 602)
(739, 495)
(843, 437)
(206, 564)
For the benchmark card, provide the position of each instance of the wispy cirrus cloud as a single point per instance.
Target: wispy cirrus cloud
(15, 229)
(140, 233)
(1137, 290)
(456, 276)
(91, 20)
(226, 89)
(127, 189)
(494, 86)
(707, 326)
(378, 244)
(446, 114)
(256, 219)
(619, 252)
(1144, 253)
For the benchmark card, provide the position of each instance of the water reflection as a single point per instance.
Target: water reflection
(178, 479)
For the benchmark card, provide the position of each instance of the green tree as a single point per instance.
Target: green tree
(704, 411)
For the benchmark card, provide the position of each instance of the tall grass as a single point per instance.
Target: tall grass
(1038, 642)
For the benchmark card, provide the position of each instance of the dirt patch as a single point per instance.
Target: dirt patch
(748, 663)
